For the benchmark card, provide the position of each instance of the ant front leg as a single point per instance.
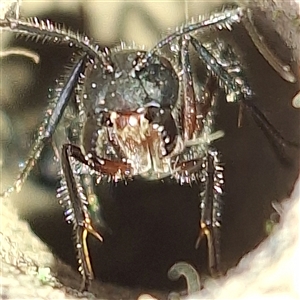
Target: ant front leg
(78, 211)
(198, 133)
(211, 177)
(209, 172)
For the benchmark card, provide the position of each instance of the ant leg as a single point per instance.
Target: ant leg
(86, 179)
(78, 214)
(209, 172)
(189, 111)
(77, 208)
(276, 140)
(210, 208)
(198, 119)
(235, 86)
(54, 113)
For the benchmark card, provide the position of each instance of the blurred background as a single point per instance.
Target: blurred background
(150, 225)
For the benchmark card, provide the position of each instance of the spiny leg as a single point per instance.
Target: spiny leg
(209, 172)
(239, 91)
(89, 133)
(189, 112)
(54, 113)
(198, 119)
(76, 193)
(211, 177)
(277, 141)
(230, 81)
(78, 212)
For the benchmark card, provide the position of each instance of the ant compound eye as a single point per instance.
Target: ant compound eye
(160, 82)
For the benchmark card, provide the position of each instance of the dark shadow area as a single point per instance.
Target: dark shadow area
(153, 225)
